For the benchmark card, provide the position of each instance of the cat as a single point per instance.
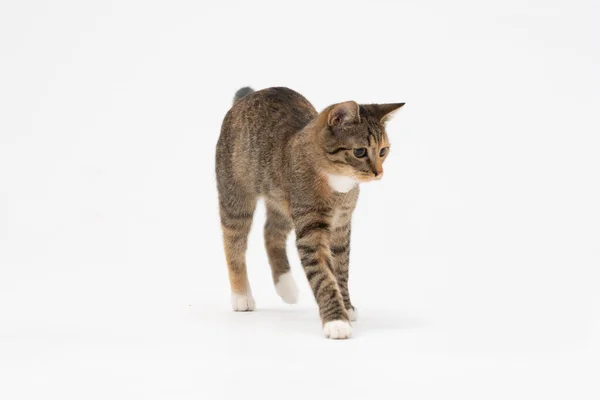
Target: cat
(306, 166)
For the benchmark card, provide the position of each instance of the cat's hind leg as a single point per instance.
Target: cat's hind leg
(236, 219)
(277, 228)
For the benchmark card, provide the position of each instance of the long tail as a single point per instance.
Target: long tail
(242, 93)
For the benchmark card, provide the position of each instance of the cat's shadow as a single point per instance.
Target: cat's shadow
(387, 322)
(303, 320)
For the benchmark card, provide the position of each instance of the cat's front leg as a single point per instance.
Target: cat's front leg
(313, 225)
(340, 252)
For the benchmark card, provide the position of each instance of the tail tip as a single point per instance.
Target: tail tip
(243, 92)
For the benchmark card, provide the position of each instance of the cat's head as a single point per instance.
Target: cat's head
(354, 140)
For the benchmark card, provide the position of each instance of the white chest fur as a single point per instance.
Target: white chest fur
(340, 183)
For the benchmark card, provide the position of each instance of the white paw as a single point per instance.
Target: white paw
(286, 288)
(242, 302)
(352, 314)
(337, 329)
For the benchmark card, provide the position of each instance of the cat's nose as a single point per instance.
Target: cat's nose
(378, 173)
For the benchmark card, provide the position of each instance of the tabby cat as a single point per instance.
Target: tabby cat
(306, 166)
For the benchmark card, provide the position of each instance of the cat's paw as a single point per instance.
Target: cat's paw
(242, 302)
(286, 288)
(337, 329)
(352, 314)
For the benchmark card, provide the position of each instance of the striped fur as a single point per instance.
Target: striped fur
(275, 145)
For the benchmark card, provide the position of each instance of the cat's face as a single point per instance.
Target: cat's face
(355, 141)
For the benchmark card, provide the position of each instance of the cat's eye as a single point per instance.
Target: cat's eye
(360, 152)
(383, 152)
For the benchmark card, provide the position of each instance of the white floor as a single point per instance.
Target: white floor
(475, 261)
(146, 330)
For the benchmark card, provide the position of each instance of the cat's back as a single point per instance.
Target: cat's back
(276, 110)
(257, 129)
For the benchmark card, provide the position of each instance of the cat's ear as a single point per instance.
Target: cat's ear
(344, 113)
(384, 111)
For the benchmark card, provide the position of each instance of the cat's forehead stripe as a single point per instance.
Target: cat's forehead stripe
(374, 132)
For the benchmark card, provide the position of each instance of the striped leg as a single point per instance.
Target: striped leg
(236, 220)
(277, 228)
(340, 251)
(312, 239)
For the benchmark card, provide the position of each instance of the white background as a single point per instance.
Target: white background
(475, 261)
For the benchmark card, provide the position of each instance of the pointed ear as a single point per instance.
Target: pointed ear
(384, 111)
(344, 113)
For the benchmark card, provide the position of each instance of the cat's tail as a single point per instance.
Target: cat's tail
(245, 91)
